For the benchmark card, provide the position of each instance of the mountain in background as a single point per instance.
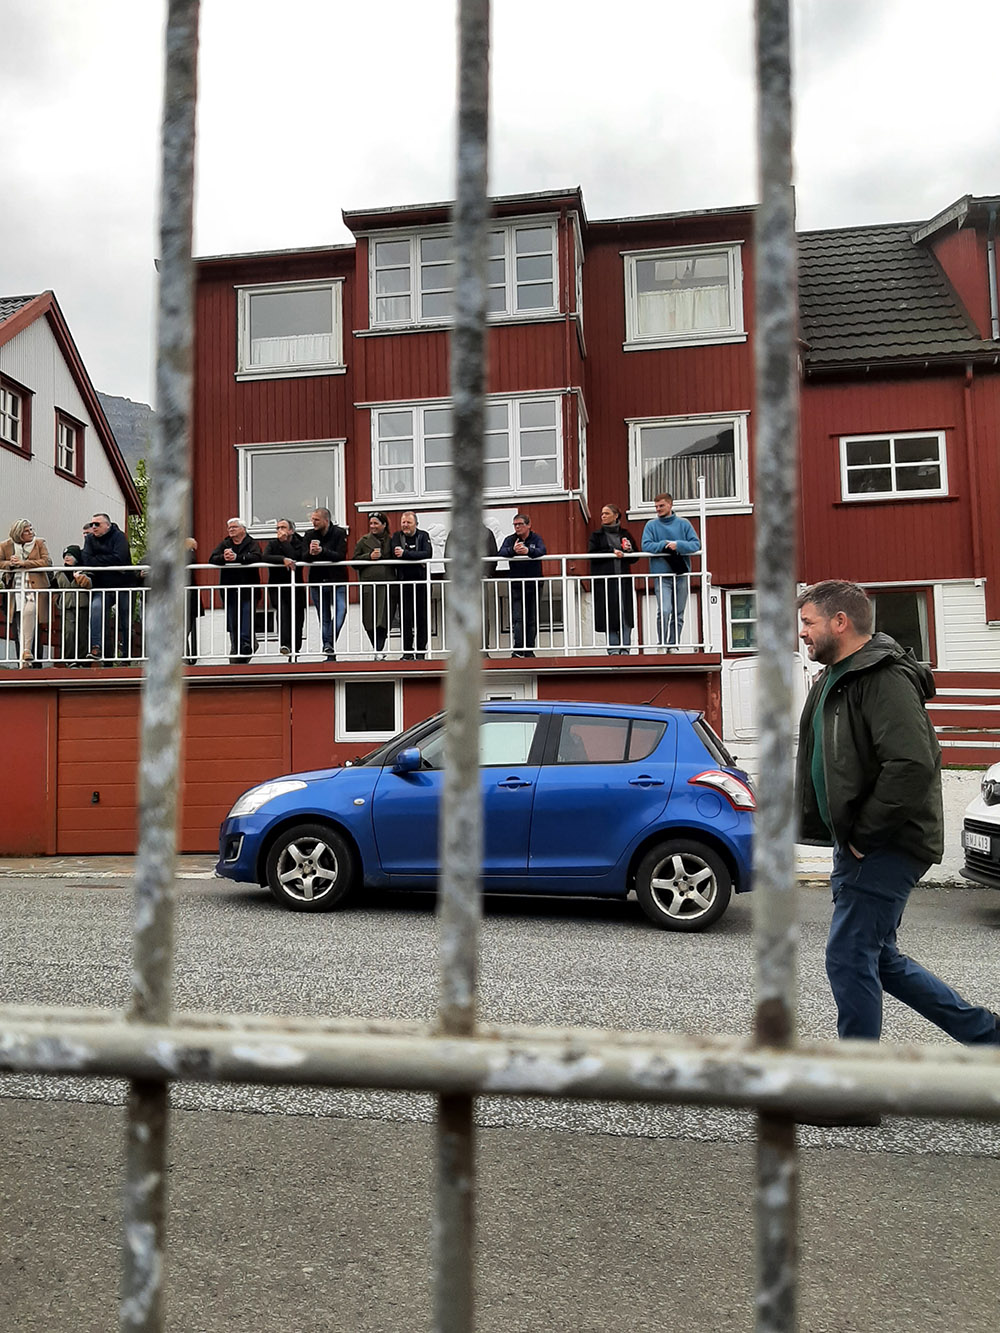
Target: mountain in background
(132, 424)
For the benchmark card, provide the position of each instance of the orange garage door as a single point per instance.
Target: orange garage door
(232, 739)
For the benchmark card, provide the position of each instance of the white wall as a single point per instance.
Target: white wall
(964, 640)
(31, 488)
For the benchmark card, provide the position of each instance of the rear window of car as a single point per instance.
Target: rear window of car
(606, 740)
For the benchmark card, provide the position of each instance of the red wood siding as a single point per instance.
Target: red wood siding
(29, 726)
(962, 255)
(882, 541)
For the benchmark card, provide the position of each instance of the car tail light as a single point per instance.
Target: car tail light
(737, 793)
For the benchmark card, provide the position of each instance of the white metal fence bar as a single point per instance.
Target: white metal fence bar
(775, 904)
(144, 1210)
(461, 832)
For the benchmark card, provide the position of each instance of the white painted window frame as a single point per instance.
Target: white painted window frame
(67, 445)
(245, 370)
(247, 452)
(892, 437)
(731, 648)
(8, 397)
(393, 499)
(510, 313)
(732, 333)
(737, 504)
(341, 733)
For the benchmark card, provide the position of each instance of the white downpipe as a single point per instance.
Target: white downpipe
(706, 578)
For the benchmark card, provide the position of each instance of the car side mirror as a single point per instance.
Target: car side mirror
(407, 761)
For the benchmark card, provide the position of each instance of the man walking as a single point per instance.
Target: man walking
(869, 781)
(671, 541)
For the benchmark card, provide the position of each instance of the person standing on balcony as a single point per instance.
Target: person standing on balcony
(286, 592)
(869, 781)
(612, 575)
(375, 549)
(74, 608)
(524, 549)
(672, 541)
(413, 546)
(238, 554)
(326, 551)
(105, 553)
(23, 559)
(451, 552)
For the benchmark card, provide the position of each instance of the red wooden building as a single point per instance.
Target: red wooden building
(620, 364)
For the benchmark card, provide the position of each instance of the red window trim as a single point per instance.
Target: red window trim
(25, 395)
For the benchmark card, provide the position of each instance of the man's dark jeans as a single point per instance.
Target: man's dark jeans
(862, 959)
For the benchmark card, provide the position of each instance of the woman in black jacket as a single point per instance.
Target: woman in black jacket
(613, 594)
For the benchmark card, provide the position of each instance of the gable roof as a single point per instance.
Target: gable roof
(18, 313)
(869, 294)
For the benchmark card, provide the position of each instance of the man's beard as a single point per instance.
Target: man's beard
(824, 649)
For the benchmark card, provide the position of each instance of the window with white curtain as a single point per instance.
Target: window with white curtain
(670, 455)
(290, 329)
(290, 481)
(411, 445)
(684, 296)
(412, 275)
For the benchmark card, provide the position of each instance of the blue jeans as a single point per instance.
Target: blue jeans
(239, 620)
(106, 605)
(862, 960)
(321, 596)
(671, 601)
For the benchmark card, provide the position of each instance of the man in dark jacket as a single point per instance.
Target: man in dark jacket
(104, 547)
(326, 550)
(237, 554)
(869, 782)
(286, 591)
(524, 549)
(412, 546)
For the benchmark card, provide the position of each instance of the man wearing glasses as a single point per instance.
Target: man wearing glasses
(105, 556)
(524, 549)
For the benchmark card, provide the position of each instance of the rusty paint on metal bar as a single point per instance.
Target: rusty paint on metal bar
(461, 832)
(775, 930)
(141, 1307)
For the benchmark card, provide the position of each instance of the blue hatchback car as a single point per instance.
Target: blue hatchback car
(579, 798)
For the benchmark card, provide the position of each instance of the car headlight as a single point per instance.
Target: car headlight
(251, 801)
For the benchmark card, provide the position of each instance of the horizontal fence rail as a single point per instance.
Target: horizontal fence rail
(303, 614)
(505, 1061)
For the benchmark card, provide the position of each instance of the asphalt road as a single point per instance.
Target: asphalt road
(595, 1217)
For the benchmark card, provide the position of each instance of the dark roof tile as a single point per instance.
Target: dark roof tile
(869, 294)
(10, 305)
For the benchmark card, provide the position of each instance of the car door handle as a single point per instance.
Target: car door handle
(513, 783)
(644, 780)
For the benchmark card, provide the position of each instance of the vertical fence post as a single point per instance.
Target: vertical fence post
(141, 1305)
(775, 525)
(461, 837)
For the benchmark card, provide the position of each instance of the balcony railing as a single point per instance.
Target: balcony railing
(563, 611)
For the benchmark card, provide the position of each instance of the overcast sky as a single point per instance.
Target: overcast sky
(311, 106)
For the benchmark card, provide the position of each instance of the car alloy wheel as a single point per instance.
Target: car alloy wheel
(310, 868)
(682, 884)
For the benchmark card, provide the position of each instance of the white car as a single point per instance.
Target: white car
(981, 832)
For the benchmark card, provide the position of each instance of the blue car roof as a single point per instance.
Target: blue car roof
(586, 706)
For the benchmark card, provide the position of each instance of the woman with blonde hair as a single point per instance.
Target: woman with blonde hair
(23, 560)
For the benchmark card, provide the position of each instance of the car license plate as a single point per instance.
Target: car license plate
(976, 842)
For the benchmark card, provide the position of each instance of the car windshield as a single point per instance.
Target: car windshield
(382, 753)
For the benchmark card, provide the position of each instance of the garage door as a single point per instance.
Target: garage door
(232, 739)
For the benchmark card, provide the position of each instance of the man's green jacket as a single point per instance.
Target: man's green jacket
(880, 755)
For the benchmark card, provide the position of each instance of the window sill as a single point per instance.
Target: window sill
(294, 373)
(15, 448)
(445, 326)
(916, 498)
(442, 500)
(690, 340)
(692, 511)
(70, 476)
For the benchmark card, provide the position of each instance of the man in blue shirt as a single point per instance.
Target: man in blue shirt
(671, 540)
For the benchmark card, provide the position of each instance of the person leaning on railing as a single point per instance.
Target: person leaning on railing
(524, 549)
(23, 559)
(73, 599)
(237, 554)
(375, 549)
(612, 572)
(412, 545)
(286, 591)
(105, 552)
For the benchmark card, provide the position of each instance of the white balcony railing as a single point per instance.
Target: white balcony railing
(564, 612)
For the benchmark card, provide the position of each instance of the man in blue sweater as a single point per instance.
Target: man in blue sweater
(672, 541)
